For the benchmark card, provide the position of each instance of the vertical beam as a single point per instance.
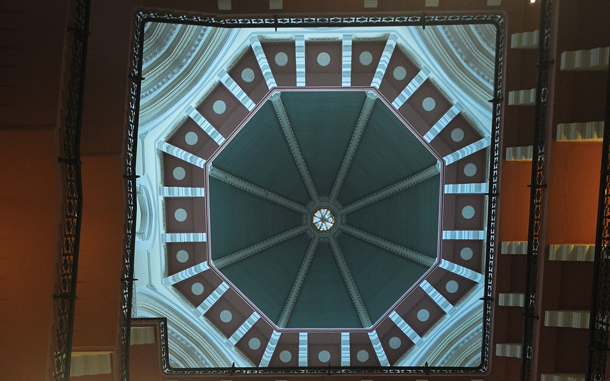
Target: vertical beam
(298, 283)
(415, 83)
(363, 119)
(282, 117)
(599, 319)
(258, 247)
(384, 61)
(243, 329)
(365, 320)
(255, 189)
(213, 298)
(389, 246)
(262, 62)
(299, 49)
(237, 91)
(443, 122)
(393, 189)
(302, 348)
(383, 359)
(205, 125)
(180, 154)
(346, 65)
(275, 337)
(535, 240)
(185, 274)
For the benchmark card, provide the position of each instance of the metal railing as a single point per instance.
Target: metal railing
(535, 240)
(599, 321)
(70, 171)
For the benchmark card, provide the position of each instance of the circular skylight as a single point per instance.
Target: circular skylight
(323, 219)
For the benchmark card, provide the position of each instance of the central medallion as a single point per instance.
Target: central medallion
(323, 219)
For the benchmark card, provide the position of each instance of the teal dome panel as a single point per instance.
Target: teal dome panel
(380, 276)
(270, 293)
(323, 123)
(259, 152)
(408, 218)
(324, 301)
(240, 219)
(388, 152)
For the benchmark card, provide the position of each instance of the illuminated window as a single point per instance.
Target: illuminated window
(323, 219)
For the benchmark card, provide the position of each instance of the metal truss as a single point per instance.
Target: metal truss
(70, 169)
(538, 191)
(599, 323)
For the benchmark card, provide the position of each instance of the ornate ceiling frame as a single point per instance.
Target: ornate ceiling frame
(130, 177)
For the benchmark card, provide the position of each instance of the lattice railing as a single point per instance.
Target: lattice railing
(599, 324)
(71, 185)
(535, 241)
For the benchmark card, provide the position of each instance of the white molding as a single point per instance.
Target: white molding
(467, 151)
(346, 64)
(370, 3)
(576, 253)
(90, 363)
(567, 319)
(508, 350)
(594, 59)
(437, 297)
(299, 52)
(462, 271)
(205, 125)
(236, 90)
(514, 247)
(243, 329)
(580, 131)
(185, 274)
(302, 348)
(184, 237)
(224, 5)
(524, 153)
(464, 234)
(525, 40)
(415, 83)
(261, 58)
(383, 359)
(511, 300)
(345, 349)
(522, 97)
(471, 188)
(405, 328)
(384, 60)
(181, 192)
(443, 121)
(142, 335)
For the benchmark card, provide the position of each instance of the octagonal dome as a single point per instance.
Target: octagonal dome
(240, 157)
(334, 154)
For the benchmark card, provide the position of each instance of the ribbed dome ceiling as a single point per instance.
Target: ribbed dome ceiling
(304, 151)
